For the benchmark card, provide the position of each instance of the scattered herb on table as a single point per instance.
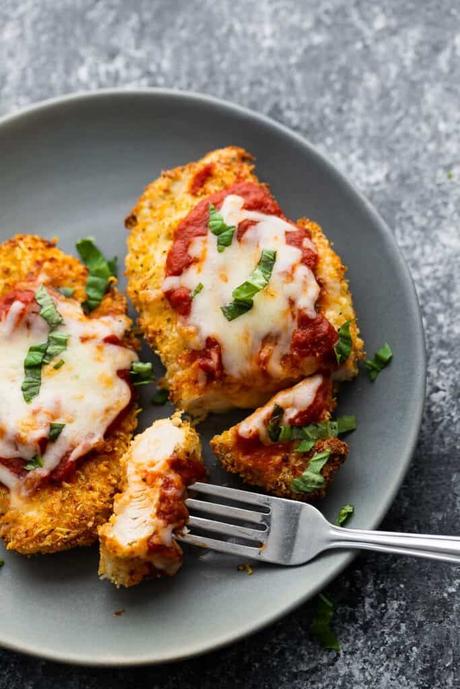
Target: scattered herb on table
(382, 358)
(246, 567)
(320, 627)
(141, 372)
(160, 396)
(345, 513)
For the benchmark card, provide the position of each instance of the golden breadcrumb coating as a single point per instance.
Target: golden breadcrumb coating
(273, 466)
(152, 223)
(138, 540)
(58, 517)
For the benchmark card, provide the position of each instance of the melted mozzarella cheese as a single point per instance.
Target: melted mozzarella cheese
(85, 393)
(292, 287)
(134, 516)
(292, 401)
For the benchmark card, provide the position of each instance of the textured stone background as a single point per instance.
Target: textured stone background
(376, 87)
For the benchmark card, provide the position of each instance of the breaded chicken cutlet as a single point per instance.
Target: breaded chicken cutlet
(289, 446)
(138, 540)
(67, 411)
(238, 301)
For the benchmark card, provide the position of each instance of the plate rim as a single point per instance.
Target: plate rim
(419, 354)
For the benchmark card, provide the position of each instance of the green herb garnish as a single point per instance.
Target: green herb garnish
(2, 562)
(37, 357)
(55, 431)
(141, 372)
(344, 515)
(100, 272)
(219, 227)
(48, 310)
(57, 343)
(160, 396)
(274, 428)
(342, 348)
(316, 431)
(66, 291)
(243, 295)
(34, 463)
(59, 364)
(320, 627)
(33, 371)
(311, 479)
(197, 289)
(382, 358)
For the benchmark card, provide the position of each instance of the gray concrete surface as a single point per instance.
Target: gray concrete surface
(376, 87)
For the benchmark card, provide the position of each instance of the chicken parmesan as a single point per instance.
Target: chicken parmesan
(67, 411)
(138, 540)
(289, 446)
(238, 300)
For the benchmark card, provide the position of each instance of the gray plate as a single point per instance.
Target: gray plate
(75, 166)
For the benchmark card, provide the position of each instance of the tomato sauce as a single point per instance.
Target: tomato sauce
(209, 359)
(313, 337)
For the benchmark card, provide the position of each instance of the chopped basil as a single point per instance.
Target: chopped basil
(306, 446)
(141, 372)
(160, 396)
(382, 358)
(346, 424)
(311, 479)
(66, 291)
(342, 348)
(37, 357)
(345, 513)
(2, 562)
(197, 289)
(34, 463)
(320, 627)
(33, 371)
(219, 227)
(59, 364)
(55, 431)
(48, 310)
(316, 431)
(244, 294)
(57, 343)
(274, 428)
(100, 271)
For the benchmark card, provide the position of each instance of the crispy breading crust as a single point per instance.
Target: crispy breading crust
(164, 203)
(56, 518)
(285, 464)
(128, 567)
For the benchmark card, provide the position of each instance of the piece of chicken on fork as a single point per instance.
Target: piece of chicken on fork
(138, 541)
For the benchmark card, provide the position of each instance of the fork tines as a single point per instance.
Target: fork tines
(256, 536)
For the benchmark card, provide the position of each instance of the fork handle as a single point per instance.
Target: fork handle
(445, 548)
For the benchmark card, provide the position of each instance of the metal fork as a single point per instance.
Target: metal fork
(288, 532)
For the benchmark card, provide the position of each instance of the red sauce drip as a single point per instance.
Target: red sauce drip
(314, 412)
(256, 198)
(113, 339)
(24, 295)
(243, 227)
(200, 178)
(180, 300)
(209, 359)
(295, 238)
(313, 336)
(189, 470)
(14, 464)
